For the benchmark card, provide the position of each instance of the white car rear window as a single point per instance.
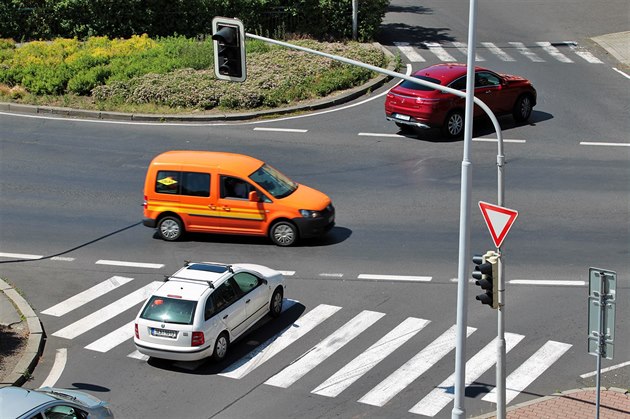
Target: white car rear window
(169, 310)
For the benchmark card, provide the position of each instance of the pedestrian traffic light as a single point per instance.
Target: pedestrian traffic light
(228, 36)
(486, 275)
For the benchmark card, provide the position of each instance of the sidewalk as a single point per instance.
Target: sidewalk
(21, 337)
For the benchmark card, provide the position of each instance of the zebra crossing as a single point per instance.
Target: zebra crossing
(398, 380)
(538, 52)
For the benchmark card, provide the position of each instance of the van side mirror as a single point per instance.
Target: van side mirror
(253, 196)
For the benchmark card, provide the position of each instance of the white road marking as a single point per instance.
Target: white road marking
(130, 264)
(277, 343)
(605, 144)
(331, 275)
(413, 369)
(137, 355)
(360, 365)
(62, 258)
(20, 256)
(324, 349)
(395, 277)
(409, 52)
(622, 73)
(280, 129)
(529, 370)
(554, 52)
(463, 47)
(527, 52)
(106, 313)
(439, 51)
(497, 51)
(546, 282)
(582, 53)
(287, 273)
(113, 339)
(614, 367)
(376, 134)
(495, 140)
(443, 394)
(86, 296)
(61, 357)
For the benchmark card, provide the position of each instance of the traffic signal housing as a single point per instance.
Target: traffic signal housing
(228, 37)
(486, 275)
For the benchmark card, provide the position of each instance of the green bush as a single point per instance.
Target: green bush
(26, 20)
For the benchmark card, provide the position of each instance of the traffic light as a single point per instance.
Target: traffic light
(486, 275)
(229, 49)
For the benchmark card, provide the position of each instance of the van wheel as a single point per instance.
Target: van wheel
(275, 306)
(283, 233)
(170, 228)
(220, 347)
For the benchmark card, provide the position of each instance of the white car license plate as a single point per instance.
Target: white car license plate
(403, 117)
(164, 333)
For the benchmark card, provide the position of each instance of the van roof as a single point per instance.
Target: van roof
(227, 161)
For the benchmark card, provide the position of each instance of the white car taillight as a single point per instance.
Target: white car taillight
(197, 339)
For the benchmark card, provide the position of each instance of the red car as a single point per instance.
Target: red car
(412, 105)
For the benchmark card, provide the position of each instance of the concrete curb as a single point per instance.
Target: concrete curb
(333, 100)
(553, 396)
(35, 343)
(617, 45)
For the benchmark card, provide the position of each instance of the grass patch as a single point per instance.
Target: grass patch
(174, 74)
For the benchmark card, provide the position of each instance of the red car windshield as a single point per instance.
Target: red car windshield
(415, 86)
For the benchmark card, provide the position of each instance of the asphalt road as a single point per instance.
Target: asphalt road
(72, 190)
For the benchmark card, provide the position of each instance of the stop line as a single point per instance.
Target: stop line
(403, 377)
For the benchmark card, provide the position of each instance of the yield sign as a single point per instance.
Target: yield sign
(498, 219)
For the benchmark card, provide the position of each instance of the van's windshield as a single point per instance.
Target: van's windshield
(274, 182)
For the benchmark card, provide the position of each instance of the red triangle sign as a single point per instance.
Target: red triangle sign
(498, 219)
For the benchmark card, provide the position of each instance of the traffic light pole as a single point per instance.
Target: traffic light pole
(465, 206)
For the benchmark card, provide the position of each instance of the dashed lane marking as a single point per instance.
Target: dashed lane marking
(129, 264)
(20, 256)
(546, 282)
(410, 278)
(281, 129)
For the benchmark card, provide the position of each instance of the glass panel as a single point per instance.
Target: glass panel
(169, 310)
(167, 182)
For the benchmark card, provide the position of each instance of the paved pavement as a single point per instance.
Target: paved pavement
(16, 313)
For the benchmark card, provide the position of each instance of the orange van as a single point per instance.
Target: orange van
(227, 193)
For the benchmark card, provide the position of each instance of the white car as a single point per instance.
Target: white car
(203, 307)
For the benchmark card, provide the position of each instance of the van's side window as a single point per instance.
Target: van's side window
(196, 184)
(232, 187)
(167, 182)
(183, 183)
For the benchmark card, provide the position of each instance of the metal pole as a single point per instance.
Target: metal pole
(500, 373)
(501, 351)
(459, 411)
(603, 293)
(355, 18)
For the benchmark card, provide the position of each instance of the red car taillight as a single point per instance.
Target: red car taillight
(198, 339)
(137, 334)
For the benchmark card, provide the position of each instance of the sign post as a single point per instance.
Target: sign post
(499, 221)
(602, 285)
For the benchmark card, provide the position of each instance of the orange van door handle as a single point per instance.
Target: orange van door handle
(212, 207)
(226, 208)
